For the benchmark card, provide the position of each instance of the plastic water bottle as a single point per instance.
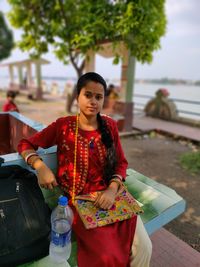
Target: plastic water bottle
(61, 222)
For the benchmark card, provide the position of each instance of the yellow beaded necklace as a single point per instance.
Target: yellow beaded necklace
(75, 157)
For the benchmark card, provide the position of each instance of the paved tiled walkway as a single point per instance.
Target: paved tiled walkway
(144, 123)
(169, 251)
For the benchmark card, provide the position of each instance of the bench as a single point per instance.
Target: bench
(161, 204)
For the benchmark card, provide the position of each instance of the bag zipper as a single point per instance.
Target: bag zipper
(2, 215)
(17, 187)
(11, 199)
(14, 198)
(8, 200)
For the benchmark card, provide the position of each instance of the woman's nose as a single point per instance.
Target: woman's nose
(93, 101)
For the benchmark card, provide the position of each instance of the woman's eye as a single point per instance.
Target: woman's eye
(99, 97)
(88, 95)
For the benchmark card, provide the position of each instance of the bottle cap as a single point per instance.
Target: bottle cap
(63, 201)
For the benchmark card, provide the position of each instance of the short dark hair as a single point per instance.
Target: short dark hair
(11, 93)
(111, 86)
(88, 77)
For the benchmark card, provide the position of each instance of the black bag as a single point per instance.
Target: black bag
(24, 217)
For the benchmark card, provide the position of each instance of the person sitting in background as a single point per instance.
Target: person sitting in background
(10, 104)
(111, 93)
(110, 97)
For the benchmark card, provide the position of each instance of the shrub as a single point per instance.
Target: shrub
(191, 161)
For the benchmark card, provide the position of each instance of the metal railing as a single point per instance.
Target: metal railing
(175, 100)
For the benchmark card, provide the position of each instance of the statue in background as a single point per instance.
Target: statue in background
(161, 106)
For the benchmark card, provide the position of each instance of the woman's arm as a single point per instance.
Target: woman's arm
(107, 198)
(27, 148)
(46, 178)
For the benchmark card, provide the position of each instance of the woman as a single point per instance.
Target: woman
(100, 165)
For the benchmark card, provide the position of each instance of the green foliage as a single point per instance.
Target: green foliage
(191, 161)
(73, 27)
(6, 39)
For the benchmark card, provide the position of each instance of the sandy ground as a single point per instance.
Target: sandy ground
(155, 156)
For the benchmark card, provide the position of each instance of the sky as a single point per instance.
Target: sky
(179, 56)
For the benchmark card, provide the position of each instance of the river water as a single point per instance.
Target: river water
(182, 92)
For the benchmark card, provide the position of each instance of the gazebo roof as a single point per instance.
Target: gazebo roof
(25, 62)
(107, 49)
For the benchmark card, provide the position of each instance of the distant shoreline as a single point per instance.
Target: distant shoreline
(164, 81)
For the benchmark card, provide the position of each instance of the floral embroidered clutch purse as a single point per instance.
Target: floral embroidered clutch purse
(125, 207)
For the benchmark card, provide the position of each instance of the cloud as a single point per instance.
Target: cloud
(183, 18)
(184, 29)
(177, 8)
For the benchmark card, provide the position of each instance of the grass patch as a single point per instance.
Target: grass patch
(191, 161)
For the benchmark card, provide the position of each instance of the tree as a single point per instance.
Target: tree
(6, 38)
(72, 27)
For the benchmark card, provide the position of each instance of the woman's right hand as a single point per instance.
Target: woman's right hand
(46, 178)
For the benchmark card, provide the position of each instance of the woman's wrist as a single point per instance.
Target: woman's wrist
(117, 176)
(32, 159)
(115, 184)
(37, 164)
(113, 187)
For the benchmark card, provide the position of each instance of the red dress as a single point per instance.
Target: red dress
(107, 246)
(10, 106)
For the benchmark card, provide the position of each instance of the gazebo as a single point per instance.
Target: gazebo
(26, 82)
(124, 106)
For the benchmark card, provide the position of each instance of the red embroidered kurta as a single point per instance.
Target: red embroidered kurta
(107, 246)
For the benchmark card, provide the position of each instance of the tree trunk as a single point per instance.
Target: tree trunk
(79, 70)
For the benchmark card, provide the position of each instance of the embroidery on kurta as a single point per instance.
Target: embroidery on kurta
(83, 151)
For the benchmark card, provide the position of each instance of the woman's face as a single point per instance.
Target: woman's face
(91, 98)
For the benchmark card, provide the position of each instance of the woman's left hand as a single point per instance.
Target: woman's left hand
(106, 199)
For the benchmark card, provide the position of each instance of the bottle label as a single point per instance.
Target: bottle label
(60, 239)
